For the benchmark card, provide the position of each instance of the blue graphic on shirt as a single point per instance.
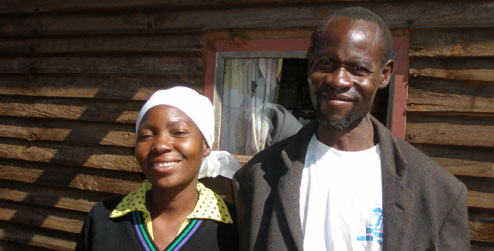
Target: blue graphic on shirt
(373, 231)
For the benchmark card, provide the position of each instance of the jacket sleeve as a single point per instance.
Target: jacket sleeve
(454, 233)
(243, 207)
(84, 241)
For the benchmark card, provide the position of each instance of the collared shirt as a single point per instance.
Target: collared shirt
(209, 206)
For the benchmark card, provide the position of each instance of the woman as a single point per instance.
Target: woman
(171, 210)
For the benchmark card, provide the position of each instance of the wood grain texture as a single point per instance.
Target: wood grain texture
(79, 178)
(46, 196)
(37, 237)
(43, 6)
(123, 44)
(435, 95)
(480, 199)
(396, 14)
(102, 87)
(482, 232)
(467, 161)
(54, 219)
(110, 158)
(480, 247)
(150, 65)
(471, 69)
(77, 132)
(451, 43)
(7, 245)
(84, 110)
(450, 130)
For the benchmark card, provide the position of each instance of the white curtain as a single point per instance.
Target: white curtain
(249, 84)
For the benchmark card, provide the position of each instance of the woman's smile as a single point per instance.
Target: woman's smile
(164, 166)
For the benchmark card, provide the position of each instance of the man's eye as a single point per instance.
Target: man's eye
(359, 70)
(326, 64)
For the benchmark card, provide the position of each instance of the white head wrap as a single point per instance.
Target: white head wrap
(199, 110)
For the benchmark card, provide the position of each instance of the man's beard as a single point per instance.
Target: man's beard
(349, 119)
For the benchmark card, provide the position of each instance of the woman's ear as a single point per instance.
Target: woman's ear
(386, 73)
(207, 149)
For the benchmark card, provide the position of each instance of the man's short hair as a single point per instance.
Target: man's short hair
(358, 13)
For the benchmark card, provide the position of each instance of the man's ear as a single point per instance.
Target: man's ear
(386, 73)
(310, 59)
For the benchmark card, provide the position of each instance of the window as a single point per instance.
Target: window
(260, 93)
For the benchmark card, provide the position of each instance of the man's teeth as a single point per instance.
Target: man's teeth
(165, 164)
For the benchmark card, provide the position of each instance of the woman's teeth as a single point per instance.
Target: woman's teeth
(165, 164)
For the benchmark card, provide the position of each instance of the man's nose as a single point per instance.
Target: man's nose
(340, 79)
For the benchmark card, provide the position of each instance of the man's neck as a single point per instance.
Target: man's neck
(357, 137)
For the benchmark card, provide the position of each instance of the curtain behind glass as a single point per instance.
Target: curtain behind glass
(249, 84)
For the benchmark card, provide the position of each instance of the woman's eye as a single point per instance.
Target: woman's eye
(144, 136)
(179, 133)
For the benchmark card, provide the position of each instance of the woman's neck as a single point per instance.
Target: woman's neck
(172, 202)
(169, 208)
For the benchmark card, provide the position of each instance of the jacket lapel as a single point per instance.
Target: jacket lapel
(398, 201)
(289, 184)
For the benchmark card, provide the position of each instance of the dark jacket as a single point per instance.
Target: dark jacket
(424, 206)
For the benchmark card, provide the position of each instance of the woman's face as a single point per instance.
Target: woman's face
(169, 148)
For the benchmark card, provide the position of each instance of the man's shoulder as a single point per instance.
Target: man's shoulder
(421, 168)
(271, 156)
(425, 170)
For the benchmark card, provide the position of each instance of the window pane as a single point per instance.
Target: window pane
(250, 87)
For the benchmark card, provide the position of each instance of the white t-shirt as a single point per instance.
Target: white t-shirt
(341, 199)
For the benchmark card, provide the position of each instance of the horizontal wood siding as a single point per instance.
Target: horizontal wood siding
(96, 86)
(410, 14)
(74, 74)
(450, 113)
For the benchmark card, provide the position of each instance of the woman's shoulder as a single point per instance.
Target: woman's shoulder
(105, 207)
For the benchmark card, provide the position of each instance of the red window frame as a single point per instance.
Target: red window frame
(398, 92)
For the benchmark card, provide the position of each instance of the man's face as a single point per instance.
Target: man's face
(345, 71)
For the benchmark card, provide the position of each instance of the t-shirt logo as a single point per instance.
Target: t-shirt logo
(373, 231)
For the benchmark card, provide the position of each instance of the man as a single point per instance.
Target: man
(343, 182)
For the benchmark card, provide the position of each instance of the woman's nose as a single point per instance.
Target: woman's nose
(162, 144)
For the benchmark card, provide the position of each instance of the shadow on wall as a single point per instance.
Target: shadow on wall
(91, 153)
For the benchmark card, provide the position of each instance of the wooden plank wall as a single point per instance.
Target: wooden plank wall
(73, 75)
(451, 112)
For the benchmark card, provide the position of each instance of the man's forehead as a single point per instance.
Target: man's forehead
(342, 29)
(339, 23)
